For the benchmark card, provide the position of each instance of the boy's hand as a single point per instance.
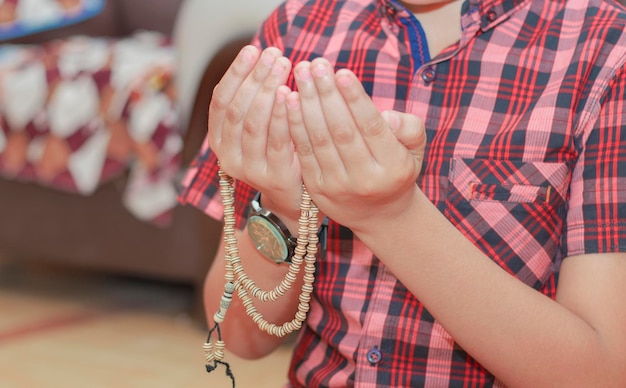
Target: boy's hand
(248, 128)
(358, 164)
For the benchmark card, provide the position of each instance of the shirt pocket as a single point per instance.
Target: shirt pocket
(513, 211)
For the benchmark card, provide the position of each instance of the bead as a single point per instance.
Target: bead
(304, 307)
(237, 279)
(300, 316)
(218, 317)
(227, 297)
(247, 302)
(304, 299)
(208, 349)
(219, 350)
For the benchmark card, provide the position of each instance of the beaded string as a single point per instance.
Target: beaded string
(237, 279)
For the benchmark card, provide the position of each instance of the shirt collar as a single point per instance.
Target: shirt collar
(492, 12)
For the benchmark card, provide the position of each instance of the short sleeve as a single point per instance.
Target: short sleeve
(596, 221)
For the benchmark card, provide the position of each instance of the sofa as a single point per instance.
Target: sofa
(95, 231)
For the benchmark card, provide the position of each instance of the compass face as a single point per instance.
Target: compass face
(267, 239)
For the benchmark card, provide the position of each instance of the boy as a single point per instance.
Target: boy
(469, 156)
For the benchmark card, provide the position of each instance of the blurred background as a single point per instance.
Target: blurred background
(102, 107)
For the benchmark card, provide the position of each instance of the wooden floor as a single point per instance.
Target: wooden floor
(66, 329)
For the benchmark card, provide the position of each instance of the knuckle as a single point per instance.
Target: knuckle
(276, 145)
(304, 149)
(249, 126)
(342, 133)
(320, 138)
(218, 101)
(234, 113)
(374, 126)
(258, 74)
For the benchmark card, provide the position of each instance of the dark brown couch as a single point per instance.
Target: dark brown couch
(96, 232)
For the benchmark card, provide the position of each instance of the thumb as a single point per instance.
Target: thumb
(409, 130)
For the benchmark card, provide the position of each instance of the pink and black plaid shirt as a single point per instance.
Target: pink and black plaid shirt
(526, 121)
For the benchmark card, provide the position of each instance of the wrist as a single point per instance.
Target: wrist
(393, 221)
(272, 237)
(289, 217)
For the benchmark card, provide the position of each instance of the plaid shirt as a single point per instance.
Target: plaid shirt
(525, 118)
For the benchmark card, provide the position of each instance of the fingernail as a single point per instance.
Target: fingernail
(292, 101)
(304, 74)
(267, 59)
(278, 68)
(280, 96)
(247, 54)
(344, 79)
(320, 70)
(393, 120)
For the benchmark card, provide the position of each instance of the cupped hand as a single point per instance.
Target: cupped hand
(357, 163)
(248, 128)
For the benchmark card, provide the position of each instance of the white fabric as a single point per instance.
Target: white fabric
(202, 28)
(146, 116)
(148, 199)
(38, 11)
(80, 53)
(24, 94)
(86, 164)
(73, 104)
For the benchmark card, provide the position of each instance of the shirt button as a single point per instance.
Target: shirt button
(491, 16)
(374, 356)
(429, 74)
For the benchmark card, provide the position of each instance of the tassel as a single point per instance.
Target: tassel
(214, 353)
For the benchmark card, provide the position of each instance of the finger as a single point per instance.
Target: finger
(409, 130)
(225, 90)
(308, 162)
(239, 108)
(382, 144)
(280, 148)
(256, 123)
(315, 122)
(346, 138)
